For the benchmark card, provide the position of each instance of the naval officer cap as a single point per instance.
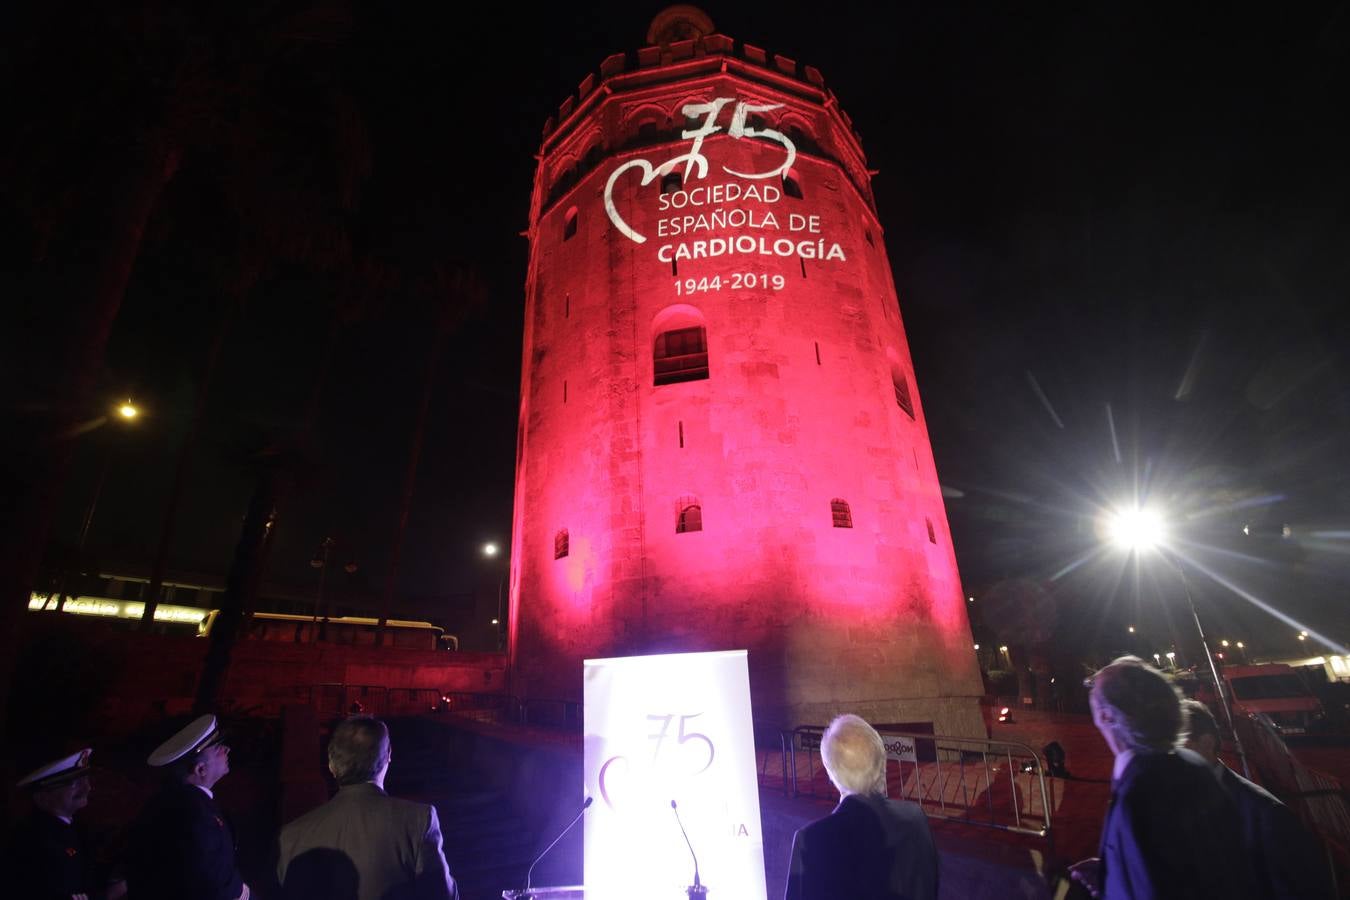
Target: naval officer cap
(57, 772)
(199, 734)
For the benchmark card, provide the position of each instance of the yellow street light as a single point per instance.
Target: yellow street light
(128, 410)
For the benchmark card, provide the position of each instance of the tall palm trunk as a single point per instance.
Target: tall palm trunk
(85, 276)
(410, 474)
(228, 313)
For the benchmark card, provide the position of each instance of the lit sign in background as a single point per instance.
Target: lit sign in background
(662, 728)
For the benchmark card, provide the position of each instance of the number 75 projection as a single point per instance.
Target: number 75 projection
(662, 728)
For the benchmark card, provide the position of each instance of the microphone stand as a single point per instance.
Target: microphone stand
(695, 891)
(525, 894)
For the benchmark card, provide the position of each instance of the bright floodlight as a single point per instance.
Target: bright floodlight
(128, 410)
(489, 549)
(1135, 529)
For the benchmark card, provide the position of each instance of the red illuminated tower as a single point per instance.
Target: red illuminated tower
(721, 445)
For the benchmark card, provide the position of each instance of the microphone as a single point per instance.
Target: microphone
(696, 890)
(525, 894)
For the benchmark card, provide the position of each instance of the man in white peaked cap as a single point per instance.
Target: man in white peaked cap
(181, 845)
(46, 857)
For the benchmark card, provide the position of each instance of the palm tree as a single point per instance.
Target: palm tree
(125, 95)
(453, 292)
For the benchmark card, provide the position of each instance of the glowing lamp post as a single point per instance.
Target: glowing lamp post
(1139, 530)
(490, 550)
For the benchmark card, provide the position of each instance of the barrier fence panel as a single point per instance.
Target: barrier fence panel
(994, 784)
(1320, 800)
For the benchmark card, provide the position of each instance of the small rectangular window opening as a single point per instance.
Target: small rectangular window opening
(564, 390)
(681, 435)
(932, 535)
(840, 513)
(802, 260)
(567, 306)
(817, 352)
(674, 269)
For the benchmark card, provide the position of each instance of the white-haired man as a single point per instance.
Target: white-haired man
(1170, 830)
(869, 848)
(364, 844)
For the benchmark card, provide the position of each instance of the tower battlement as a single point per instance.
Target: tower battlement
(812, 116)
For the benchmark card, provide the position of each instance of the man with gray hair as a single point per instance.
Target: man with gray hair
(1170, 830)
(1288, 861)
(364, 844)
(869, 848)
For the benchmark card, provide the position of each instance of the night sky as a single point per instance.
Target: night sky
(1119, 236)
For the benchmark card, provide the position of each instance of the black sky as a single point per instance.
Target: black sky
(1083, 207)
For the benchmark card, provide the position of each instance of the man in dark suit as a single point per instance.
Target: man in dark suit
(869, 848)
(1171, 831)
(46, 858)
(364, 844)
(1289, 862)
(181, 845)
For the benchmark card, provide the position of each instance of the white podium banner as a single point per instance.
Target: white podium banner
(675, 727)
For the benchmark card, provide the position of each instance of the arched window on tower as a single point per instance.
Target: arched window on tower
(689, 515)
(792, 185)
(671, 182)
(680, 355)
(570, 224)
(560, 544)
(840, 513)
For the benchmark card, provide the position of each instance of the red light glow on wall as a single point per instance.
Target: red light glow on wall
(714, 362)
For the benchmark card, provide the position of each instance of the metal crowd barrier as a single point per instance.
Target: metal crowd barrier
(992, 784)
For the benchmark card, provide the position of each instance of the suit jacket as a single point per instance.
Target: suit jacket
(869, 848)
(181, 846)
(1288, 861)
(46, 860)
(1171, 833)
(365, 845)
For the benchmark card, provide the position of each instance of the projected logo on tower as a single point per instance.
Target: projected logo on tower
(701, 218)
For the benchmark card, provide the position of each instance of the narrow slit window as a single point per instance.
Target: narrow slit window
(681, 435)
(840, 513)
(680, 355)
(818, 353)
(564, 390)
(567, 306)
(802, 261)
(560, 544)
(932, 535)
(902, 398)
(689, 516)
(674, 269)
(570, 224)
(867, 233)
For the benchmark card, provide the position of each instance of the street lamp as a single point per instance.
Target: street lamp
(320, 562)
(127, 412)
(1140, 529)
(490, 550)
